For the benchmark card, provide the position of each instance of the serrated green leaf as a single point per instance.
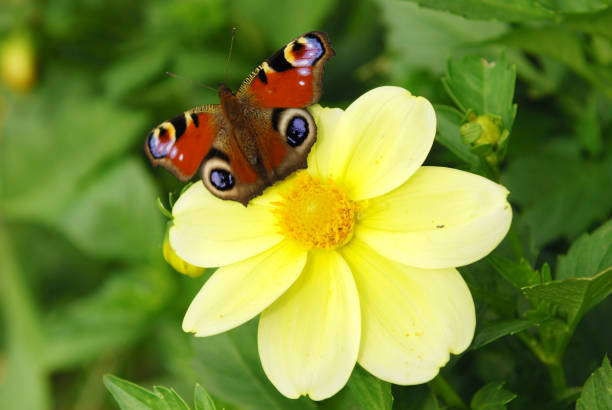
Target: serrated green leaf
(492, 397)
(495, 330)
(511, 11)
(130, 396)
(172, 400)
(589, 254)
(570, 299)
(228, 367)
(597, 391)
(448, 123)
(363, 391)
(486, 87)
(202, 400)
(519, 274)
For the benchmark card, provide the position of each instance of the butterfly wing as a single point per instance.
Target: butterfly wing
(181, 143)
(292, 76)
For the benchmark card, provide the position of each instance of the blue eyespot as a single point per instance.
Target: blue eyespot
(222, 179)
(297, 131)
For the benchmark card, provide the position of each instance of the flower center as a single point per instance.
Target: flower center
(316, 213)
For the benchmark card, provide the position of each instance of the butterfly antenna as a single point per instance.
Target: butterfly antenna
(180, 77)
(229, 55)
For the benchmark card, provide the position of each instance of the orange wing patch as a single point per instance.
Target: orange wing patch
(181, 143)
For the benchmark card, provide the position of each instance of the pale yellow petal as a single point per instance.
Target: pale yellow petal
(381, 139)
(440, 218)
(327, 120)
(209, 231)
(309, 338)
(411, 318)
(238, 292)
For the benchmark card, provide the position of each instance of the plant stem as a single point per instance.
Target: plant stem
(440, 387)
(557, 378)
(25, 383)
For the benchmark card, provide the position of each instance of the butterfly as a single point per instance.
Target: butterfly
(255, 137)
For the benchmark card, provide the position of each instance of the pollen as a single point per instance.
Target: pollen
(316, 213)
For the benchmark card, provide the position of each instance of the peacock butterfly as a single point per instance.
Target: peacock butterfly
(255, 137)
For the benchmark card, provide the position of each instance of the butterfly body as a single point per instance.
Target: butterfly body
(254, 137)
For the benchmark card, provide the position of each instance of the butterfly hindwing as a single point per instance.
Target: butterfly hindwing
(292, 76)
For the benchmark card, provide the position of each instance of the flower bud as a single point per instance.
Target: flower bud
(176, 262)
(17, 65)
(486, 135)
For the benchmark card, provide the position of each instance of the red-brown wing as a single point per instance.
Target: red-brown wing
(292, 76)
(180, 144)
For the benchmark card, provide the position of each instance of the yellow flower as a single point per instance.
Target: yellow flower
(352, 260)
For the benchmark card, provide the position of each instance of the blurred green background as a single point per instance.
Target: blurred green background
(84, 290)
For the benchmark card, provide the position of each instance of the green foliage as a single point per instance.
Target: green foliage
(130, 396)
(597, 391)
(523, 95)
(363, 391)
(492, 397)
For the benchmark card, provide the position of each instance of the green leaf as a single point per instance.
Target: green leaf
(130, 396)
(576, 6)
(519, 274)
(421, 38)
(140, 68)
(595, 23)
(486, 87)
(202, 400)
(589, 254)
(570, 299)
(597, 391)
(106, 217)
(448, 122)
(545, 41)
(228, 366)
(559, 201)
(588, 128)
(415, 398)
(172, 400)
(298, 18)
(492, 397)
(114, 317)
(363, 391)
(511, 11)
(495, 330)
(55, 142)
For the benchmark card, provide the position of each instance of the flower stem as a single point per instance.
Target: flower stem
(23, 368)
(441, 388)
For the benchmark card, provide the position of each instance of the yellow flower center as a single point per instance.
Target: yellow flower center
(316, 213)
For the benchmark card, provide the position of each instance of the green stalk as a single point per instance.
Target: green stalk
(24, 385)
(441, 388)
